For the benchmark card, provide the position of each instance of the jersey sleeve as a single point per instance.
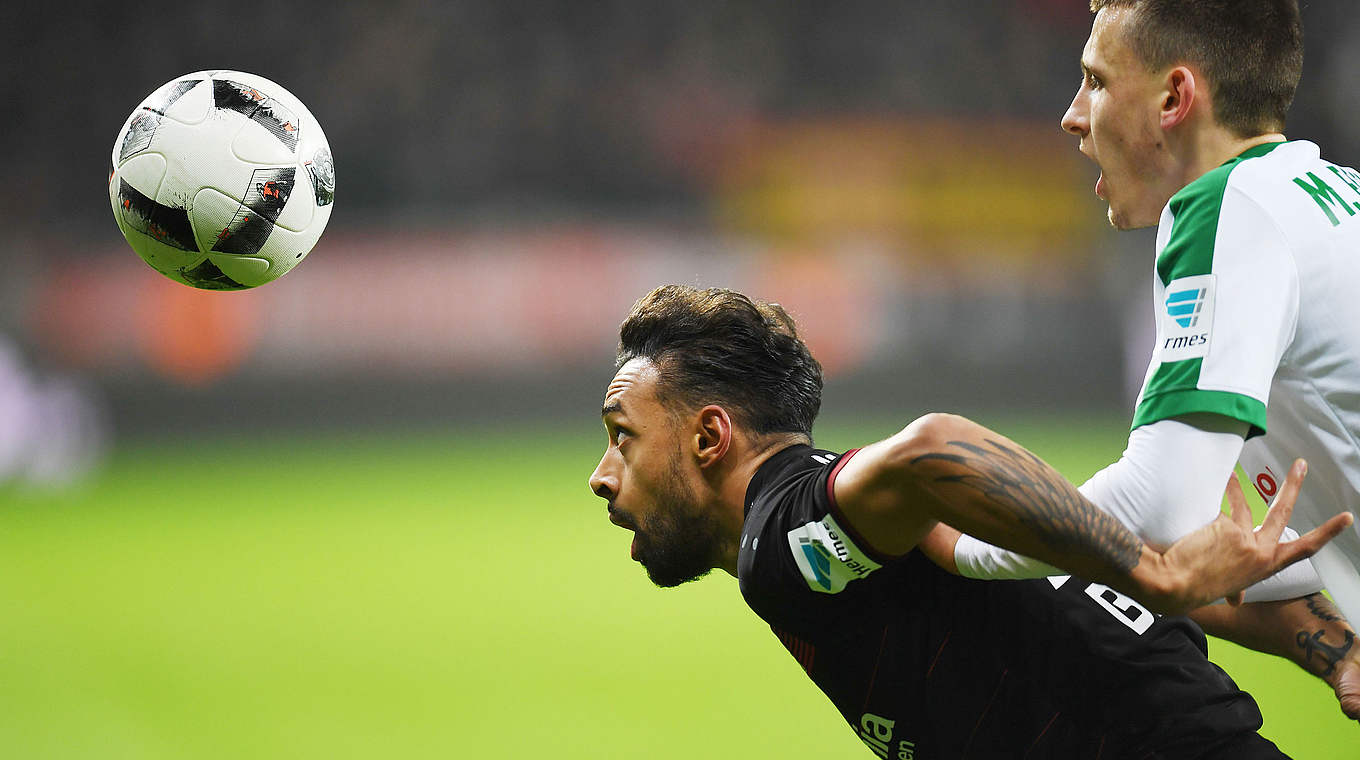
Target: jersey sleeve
(1226, 300)
(800, 554)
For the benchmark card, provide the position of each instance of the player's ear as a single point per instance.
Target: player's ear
(1178, 96)
(712, 435)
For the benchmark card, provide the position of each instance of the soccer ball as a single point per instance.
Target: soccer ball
(221, 180)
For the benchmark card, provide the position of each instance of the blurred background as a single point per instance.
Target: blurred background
(345, 514)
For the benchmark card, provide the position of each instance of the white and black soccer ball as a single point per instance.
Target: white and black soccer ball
(221, 180)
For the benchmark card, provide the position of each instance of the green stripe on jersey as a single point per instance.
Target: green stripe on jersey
(1194, 227)
(1174, 403)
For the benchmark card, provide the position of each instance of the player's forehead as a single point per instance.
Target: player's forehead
(632, 391)
(1107, 48)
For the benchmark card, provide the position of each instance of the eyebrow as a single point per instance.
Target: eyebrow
(610, 408)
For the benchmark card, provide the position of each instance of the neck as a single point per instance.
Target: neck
(731, 490)
(1216, 146)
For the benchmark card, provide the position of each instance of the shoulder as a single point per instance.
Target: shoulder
(1234, 198)
(1189, 227)
(795, 554)
(786, 488)
(787, 495)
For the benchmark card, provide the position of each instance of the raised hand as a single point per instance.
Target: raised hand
(1221, 559)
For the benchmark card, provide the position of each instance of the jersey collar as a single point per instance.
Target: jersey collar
(1256, 151)
(772, 469)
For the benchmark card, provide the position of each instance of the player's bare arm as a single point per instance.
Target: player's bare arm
(1167, 483)
(949, 469)
(1309, 631)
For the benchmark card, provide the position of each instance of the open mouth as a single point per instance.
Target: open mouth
(617, 517)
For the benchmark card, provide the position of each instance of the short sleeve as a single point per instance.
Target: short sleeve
(1225, 294)
(797, 553)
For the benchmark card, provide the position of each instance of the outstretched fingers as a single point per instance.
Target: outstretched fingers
(1277, 517)
(1309, 543)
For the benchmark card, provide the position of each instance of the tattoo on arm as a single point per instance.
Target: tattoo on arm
(1321, 607)
(1330, 655)
(1044, 500)
(1312, 644)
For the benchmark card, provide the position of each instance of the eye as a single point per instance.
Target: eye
(617, 435)
(1093, 81)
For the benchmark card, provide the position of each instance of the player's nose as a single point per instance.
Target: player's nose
(1074, 120)
(603, 484)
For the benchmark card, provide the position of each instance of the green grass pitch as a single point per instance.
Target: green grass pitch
(420, 596)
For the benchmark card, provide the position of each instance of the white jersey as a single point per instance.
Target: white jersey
(1257, 294)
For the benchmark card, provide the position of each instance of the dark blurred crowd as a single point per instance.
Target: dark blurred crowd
(530, 113)
(437, 109)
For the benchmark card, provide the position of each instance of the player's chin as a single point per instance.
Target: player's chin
(668, 571)
(1121, 219)
(1132, 211)
(669, 579)
(638, 550)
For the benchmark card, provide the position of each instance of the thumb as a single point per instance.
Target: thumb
(1348, 690)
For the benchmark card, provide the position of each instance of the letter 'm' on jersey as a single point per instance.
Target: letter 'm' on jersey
(827, 557)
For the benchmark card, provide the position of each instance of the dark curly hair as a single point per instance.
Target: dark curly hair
(716, 346)
(1252, 51)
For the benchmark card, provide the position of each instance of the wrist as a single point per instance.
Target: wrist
(1159, 585)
